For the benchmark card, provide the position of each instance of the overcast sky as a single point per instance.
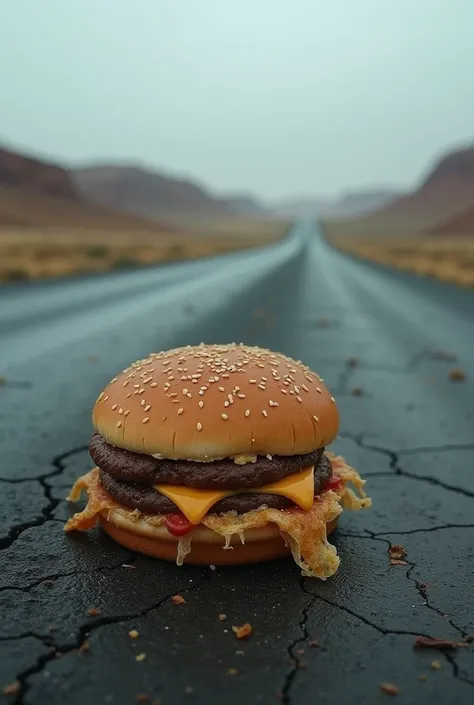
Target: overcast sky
(278, 97)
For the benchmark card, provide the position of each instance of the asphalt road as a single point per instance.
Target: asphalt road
(406, 426)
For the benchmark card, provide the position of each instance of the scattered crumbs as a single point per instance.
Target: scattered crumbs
(243, 632)
(389, 689)
(178, 600)
(232, 671)
(126, 565)
(396, 561)
(142, 698)
(397, 552)
(133, 634)
(212, 567)
(436, 665)
(93, 612)
(85, 647)
(426, 642)
(313, 644)
(299, 652)
(457, 375)
(222, 617)
(352, 361)
(357, 392)
(422, 677)
(12, 688)
(188, 690)
(140, 657)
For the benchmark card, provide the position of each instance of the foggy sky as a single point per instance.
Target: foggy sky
(278, 97)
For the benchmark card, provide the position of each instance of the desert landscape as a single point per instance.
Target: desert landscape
(429, 231)
(55, 222)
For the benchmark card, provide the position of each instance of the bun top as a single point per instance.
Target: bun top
(216, 401)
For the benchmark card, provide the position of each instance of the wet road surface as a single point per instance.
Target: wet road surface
(385, 342)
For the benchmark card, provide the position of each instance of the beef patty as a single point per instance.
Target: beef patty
(150, 501)
(217, 474)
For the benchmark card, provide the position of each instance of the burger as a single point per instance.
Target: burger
(216, 454)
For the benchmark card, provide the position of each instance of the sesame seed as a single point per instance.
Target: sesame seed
(126, 412)
(221, 389)
(120, 410)
(125, 383)
(140, 391)
(226, 403)
(299, 399)
(171, 377)
(106, 397)
(284, 391)
(264, 412)
(270, 457)
(137, 386)
(305, 387)
(253, 381)
(189, 395)
(318, 389)
(230, 398)
(145, 419)
(261, 386)
(333, 400)
(264, 379)
(154, 384)
(164, 418)
(185, 391)
(172, 395)
(129, 394)
(143, 402)
(148, 407)
(224, 416)
(201, 404)
(247, 412)
(180, 411)
(199, 426)
(118, 424)
(114, 406)
(292, 391)
(100, 396)
(275, 403)
(201, 392)
(316, 418)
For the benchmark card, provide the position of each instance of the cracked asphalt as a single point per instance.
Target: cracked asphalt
(385, 342)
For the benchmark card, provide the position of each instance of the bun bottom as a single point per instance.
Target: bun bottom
(207, 546)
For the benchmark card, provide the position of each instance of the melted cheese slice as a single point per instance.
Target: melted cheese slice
(299, 488)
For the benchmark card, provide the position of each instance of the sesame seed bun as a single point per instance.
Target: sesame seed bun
(206, 402)
(207, 546)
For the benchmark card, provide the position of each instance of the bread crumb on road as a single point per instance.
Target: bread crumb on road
(140, 657)
(436, 665)
(243, 632)
(178, 600)
(133, 634)
(457, 375)
(93, 612)
(12, 688)
(389, 689)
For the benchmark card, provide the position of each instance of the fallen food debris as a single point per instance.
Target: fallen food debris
(133, 634)
(222, 617)
(457, 375)
(93, 612)
(389, 689)
(436, 665)
(12, 688)
(178, 599)
(426, 642)
(397, 551)
(140, 657)
(242, 632)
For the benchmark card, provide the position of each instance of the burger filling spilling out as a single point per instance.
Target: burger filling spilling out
(159, 486)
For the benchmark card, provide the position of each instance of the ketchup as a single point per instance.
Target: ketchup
(178, 525)
(334, 483)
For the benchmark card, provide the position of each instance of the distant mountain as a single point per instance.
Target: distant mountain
(34, 175)
(462, 224)
(245, 204)
(147, 193)
(36, 193)
(302, 207)
(446, 191)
